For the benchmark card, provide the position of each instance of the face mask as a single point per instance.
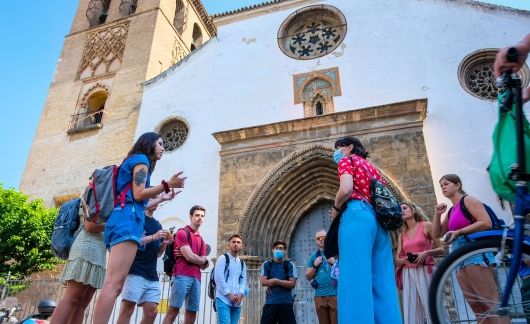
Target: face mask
(337, 155)
(279, 254)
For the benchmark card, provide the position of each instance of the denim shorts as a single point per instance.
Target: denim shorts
(124, 224)
(185, 288)
(139, 290)
(484, 259)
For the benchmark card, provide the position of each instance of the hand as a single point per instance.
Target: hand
(317, 262)
(451, 235)
(168, 196)
(421, 258)
(501, 62)
(331, 260)
(176, 181)
(440, 209)
(401, 261)
(272, 282)
(233, 298)
(205, 265)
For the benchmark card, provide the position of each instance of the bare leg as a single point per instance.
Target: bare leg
(120, 261)
(126, 311)
(73, 297)
(480, 290)
(171, 314)
(79, 313)
(189, 317)
(150, 312)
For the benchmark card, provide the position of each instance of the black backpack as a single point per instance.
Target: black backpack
(496, 223)
(212, 285)
(169, 253)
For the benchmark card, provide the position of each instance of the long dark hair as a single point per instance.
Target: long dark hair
(358, 148)
(145, 144)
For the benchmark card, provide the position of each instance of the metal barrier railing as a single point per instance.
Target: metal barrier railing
(36, 290)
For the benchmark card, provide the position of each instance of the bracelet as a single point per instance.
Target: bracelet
(166, 186)
(336, 208)
(206, 262)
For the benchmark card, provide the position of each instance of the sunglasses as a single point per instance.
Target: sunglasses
(320, 238)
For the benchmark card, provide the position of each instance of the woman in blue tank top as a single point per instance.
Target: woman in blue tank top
(125, 225)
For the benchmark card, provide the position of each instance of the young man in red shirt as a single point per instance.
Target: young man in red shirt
(190, 252)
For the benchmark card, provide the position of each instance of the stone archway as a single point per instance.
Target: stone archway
(271, 175)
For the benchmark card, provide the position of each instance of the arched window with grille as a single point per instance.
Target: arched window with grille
(319, 108)
(97, 12)
(128, 7)
(181, 17)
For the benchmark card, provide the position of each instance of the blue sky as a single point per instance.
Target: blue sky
(32, 41)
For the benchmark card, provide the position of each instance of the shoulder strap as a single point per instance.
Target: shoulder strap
(242, 269)
(465, 211)
(269, 266)
(286, 269)
(227, 262)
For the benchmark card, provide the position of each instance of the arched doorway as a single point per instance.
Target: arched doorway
(301, 247)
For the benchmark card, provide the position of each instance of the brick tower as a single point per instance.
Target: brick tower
(90, 114)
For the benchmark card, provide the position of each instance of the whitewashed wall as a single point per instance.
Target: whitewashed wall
(394, 50)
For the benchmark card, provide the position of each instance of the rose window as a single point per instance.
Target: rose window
(312, 32)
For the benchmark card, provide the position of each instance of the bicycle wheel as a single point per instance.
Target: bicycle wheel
(456, 289)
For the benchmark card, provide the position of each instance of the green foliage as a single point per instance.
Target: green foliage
(25, 231)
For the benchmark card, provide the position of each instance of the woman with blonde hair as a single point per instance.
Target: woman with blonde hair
(414, 257)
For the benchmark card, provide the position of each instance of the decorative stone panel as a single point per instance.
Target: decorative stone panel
(174, 132)
(311, 87)
(271, 175)
(103, 51)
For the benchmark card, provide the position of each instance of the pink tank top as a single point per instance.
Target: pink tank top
(418, 243)
(457, 220)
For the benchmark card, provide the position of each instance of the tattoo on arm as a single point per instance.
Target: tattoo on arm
(139, 177)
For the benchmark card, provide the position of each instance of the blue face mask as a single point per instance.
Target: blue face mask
(337, 155)
(279, 254)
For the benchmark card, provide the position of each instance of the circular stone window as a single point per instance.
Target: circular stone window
(312, 32)
(174, 132)
(475, 74)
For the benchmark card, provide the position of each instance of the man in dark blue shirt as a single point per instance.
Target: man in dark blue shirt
(279, 276)
(141, 286)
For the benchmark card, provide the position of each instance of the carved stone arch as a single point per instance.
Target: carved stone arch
(95, 88)
(324, 77)
(298, 183)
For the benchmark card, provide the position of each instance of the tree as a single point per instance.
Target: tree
(25, 234)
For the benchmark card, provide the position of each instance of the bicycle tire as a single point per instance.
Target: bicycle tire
(447, 303)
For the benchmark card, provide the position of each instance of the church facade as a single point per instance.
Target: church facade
(262, 103)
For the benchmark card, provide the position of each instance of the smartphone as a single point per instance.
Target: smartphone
(412, 257)
(447, 237)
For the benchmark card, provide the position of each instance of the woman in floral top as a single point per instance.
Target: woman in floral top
(367, 290)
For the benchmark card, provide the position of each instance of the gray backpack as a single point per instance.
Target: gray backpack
(100, 198)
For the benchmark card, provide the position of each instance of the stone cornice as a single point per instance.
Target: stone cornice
(380, 118)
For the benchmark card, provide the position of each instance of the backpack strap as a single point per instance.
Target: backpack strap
(242, 268)
(286, 269)
(227, 262)
(268, 264)
(465, 211)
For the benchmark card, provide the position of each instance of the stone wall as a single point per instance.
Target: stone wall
(271, 175)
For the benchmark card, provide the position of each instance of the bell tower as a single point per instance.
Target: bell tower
(90, 114)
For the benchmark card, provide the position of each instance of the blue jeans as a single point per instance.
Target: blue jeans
(227, 314)
(367, 290)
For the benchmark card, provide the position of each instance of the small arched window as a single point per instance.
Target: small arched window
(97, 12)
(319, 109)
(128, 7)
(95, 105)
(196, 36)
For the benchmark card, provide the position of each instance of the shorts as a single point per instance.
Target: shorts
(185, 288)
(484, 259)
(124, 224)
(139, 290)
